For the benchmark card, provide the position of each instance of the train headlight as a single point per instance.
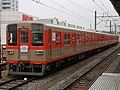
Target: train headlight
(10, 52)
(39, 52)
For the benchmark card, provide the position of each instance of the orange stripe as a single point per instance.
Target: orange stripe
(41, 61)
(47, 62)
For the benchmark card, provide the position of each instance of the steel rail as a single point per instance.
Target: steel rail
(15, 82)
(82, 84)
(9, 80)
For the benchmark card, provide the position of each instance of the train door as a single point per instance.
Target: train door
(24, 45)
(49, 44)
(58, 42)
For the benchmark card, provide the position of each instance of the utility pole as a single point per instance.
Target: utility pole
(110, 28)
(0, 41)
(95, 20)
(90, 26)
(115, 28)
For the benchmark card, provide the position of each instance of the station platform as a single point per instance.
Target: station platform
(110, 79)
(107, 81)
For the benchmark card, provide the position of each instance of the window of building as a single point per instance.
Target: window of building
(6, 0)
(16, 2)
(6, 7)
(6, 3)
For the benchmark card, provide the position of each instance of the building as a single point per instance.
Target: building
(9, 5)
(9, 13)
(0, 5)
(8, 17)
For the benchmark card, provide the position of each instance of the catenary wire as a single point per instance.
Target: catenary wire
(66, 9)
(38, 1)
(80, 6)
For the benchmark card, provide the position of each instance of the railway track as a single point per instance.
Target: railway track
(62, 79)
(13, 83)
(87, 75)
(85, 81)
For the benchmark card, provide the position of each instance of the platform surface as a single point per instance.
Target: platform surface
(107, 81)
(110, 79)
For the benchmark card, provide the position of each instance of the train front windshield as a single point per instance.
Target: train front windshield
(37, 35)
(12, 34)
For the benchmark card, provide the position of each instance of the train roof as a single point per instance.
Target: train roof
(62, 27)
(18, 22)
(84, 30)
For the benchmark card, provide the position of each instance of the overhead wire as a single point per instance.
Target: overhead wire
(38, 1)
(114, 21)
(67, 9)
(103, 9)
(80, 6)
(61, 6)
(99, 6)
(106, 8)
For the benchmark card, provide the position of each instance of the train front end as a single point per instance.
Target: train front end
(25, 49)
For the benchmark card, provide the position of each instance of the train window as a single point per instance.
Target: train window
(66, 39)
(37, 35)
(37, 27)
(57, 37)
(24, 37)
(37, 39)
(74, 39)
(78, 39)
(12, 34)
(87, 38)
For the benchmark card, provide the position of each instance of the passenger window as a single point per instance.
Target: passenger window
(37, 35)
(78, 39)
(37, 39)
(24, 37)
(67, 39)
(74, 39)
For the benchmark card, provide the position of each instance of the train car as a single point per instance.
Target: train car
(34, 47)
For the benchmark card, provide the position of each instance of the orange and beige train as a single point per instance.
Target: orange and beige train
(33, 47)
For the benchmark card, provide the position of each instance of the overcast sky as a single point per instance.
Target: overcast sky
(80, 14)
